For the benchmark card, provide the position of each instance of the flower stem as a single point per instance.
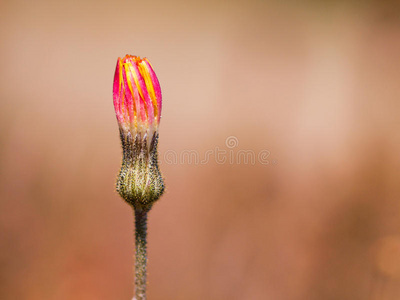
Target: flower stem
(141, 254)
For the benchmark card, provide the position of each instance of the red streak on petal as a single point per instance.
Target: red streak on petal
(145, 97)
(157, 88)
(138, 103)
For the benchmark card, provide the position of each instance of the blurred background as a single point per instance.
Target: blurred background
(314, 84)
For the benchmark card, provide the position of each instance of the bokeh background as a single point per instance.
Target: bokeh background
(315, 83)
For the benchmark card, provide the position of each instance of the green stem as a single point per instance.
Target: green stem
(141, 254)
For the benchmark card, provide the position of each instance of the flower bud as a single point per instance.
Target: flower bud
(137, 103)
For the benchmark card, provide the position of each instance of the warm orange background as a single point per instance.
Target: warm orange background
(317, 84)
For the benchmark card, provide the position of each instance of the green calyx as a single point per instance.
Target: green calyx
(139, 181)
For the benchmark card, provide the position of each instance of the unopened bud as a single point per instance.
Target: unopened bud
(137, 103)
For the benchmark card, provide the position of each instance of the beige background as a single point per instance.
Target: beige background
(317, 84)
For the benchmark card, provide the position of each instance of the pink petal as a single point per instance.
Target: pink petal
(157, 88)
(117, 92)
(146, 97)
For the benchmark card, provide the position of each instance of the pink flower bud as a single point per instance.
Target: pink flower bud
(137, 96)
(137, 103)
